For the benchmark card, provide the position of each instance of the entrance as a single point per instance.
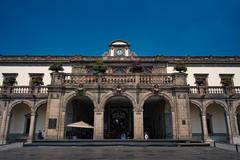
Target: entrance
(118, 118)
(80, 108)
(157, 118)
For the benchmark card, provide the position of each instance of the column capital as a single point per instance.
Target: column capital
(98, 110)
(33, 113)
(137, 110)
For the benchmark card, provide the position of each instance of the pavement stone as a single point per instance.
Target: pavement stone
(119, 152)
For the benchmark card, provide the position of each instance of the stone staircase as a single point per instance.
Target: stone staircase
(118, 142)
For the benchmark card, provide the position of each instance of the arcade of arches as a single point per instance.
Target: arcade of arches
(23, 123)
(215, 121)
(118, 120)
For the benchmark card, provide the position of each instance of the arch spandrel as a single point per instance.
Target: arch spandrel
(197, 104)
(107, 96)
(218, 102)
(16, 102)
(39, 104)
(150, 94)
(73, 94)
(236, 107)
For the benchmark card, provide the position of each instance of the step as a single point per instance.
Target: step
(166, 143)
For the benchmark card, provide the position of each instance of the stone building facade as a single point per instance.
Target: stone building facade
(134, 96)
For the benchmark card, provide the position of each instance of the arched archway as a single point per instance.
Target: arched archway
(118, 118)
(238, 118)
(79, 108)
(216, 122)
(40, 121)
(19, 125)
(196, 122)
(157, 118)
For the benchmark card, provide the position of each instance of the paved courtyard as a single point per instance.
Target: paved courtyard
(119, 152)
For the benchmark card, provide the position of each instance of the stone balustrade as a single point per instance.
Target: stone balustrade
(214, 90)
(166, 79)
(24, 90)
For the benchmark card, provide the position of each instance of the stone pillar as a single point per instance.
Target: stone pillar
(236, 136)
(138, 124)
(31, 134)
(204, 127)
(236, 124)
(174, 129)
(6, 130)
(54, 117)
(98, 124)
(182, 106)
(229, 129)
(3, 126)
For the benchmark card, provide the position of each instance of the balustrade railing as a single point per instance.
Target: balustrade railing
(113, 79)
(214, 90)
(156, 79)
(116, 79)
(24, 90)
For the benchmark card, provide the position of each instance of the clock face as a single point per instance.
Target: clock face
(119, 52)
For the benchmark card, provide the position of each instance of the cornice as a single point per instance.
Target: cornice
(88, 59)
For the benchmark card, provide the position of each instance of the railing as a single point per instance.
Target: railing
(24, 90)
(80, 79)
(214, 90)
(157, 79)
(116, 79)
(113, 79)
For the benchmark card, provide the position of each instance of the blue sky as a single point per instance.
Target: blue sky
(153, 27)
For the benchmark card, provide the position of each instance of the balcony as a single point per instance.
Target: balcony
(164, 79)
(214, 90)
(24, 91)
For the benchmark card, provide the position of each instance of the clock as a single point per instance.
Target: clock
(119, 52)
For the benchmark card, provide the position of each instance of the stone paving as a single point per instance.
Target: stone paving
(119, 152)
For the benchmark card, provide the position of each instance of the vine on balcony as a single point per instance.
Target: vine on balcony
(136, 67)
(99, 66)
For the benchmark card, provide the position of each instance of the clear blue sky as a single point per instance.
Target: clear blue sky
(153, 27)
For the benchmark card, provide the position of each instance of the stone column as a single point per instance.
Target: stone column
(3, 126)
(229, 129)
(32, 127)
(235, 134)
(236, 124)
(138, 124)
(98, 124)
(174, 131)
(204, 127)
(6, 130)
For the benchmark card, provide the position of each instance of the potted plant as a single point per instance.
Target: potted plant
(9, 81)
(99, 66)
(38, 81)
(200, 82)
(226, 82)
(136, 67)
(56, 67)
(180, 67)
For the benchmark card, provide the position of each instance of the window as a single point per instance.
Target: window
(201, 79)
(226, 79)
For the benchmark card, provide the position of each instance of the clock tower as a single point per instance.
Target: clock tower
(119, 48)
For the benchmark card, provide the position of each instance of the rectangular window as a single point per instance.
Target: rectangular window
(52, 123)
